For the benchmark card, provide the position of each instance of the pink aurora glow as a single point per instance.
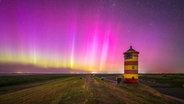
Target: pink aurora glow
(73, 34)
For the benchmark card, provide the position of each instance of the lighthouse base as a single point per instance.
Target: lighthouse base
(129, 80)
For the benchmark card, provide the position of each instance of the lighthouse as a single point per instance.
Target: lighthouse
(131, 66)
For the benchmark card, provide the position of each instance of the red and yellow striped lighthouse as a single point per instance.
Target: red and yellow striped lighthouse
(131, 66)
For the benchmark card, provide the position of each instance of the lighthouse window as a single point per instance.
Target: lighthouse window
(128, 56)
(133, 67)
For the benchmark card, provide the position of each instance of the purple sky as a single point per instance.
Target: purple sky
(91, 35)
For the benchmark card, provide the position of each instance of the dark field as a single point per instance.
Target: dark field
(24, 79)
(164, 80)
(78, 89)
(18, 82)
(169, 84)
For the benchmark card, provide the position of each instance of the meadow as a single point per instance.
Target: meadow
(169, 84)
(76, 89)
(17, 82)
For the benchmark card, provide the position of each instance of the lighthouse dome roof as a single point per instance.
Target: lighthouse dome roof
(131, 50)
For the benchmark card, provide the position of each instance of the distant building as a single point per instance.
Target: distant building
(131, 66)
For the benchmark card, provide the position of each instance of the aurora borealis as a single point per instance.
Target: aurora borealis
(91, 35)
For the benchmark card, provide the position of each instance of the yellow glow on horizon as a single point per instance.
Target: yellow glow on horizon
(88, 63)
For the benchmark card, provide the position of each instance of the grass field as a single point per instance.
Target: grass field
(17, 82)
(164, 80)
(84, 89)
(170, 84)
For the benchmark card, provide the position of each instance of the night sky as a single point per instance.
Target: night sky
(91, 35)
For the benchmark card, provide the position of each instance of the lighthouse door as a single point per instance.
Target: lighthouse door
(132, 78)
